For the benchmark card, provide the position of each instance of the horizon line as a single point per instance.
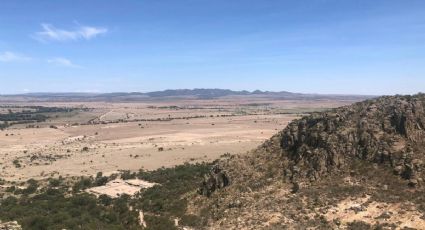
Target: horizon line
(177, 89)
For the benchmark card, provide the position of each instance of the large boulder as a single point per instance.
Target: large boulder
(12, 225)
(216, 179)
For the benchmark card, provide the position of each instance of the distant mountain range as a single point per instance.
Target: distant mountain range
(170, 94)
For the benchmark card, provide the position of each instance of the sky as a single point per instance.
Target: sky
(309, 46)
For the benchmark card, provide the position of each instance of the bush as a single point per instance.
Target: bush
(54, 208)
(127, 175)
(101, 181)
(51, 209)
(82, 184)
(17, 163)
(159, 223)
(191, 220)
(167, 199)
(54, 182)
(358, 225)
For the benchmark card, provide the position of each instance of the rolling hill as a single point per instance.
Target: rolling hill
(356, 167)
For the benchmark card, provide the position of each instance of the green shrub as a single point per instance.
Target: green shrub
(167, 200)
(159, 223)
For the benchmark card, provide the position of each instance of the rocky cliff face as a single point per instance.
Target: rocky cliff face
(387, 131)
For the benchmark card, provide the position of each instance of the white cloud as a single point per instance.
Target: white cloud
(89, 32)
(8, 56)
(51, 33)
(62, 62)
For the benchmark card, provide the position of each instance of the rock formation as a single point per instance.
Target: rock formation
(13, 225)
(347, 168)
(216, 179)
(387, 131)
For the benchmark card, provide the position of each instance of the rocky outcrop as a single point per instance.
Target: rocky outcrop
(13, 225)
(388, 131)
(319, 165)
(216, 179)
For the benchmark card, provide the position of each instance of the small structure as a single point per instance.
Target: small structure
(118, 187)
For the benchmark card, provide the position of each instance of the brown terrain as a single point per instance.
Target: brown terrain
(105, 137)
(355, 167)
(282, 163)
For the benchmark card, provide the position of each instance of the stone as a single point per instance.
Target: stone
(385, 215)
(413, 182)
(216, 179)
(12, 225)
(357, 208)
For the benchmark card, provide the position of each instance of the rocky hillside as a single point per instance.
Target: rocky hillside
(355, 167)
(388, 131)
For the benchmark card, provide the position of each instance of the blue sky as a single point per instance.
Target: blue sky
(311, 46)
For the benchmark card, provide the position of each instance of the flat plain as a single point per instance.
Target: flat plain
(111, 136)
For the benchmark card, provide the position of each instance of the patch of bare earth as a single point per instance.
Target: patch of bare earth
(402, 215)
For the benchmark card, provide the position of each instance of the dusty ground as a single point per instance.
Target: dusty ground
(360, 209)
(149, 135)
(118, 187)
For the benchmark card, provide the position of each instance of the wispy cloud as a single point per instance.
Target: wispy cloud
(9, 56)
(51, 33)
(62, 62)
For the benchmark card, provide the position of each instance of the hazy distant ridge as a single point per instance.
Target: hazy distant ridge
(170, 93)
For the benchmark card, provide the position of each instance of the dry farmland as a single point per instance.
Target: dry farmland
(111, 136)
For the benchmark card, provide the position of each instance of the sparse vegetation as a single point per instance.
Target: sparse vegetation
(17, 163)
(167, 199)
(30, 114)
(53, 207)
(269, 180)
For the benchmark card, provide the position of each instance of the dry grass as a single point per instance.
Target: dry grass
(127, 136)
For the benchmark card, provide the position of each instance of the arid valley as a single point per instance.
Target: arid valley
(111, 136)
(212, 115)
